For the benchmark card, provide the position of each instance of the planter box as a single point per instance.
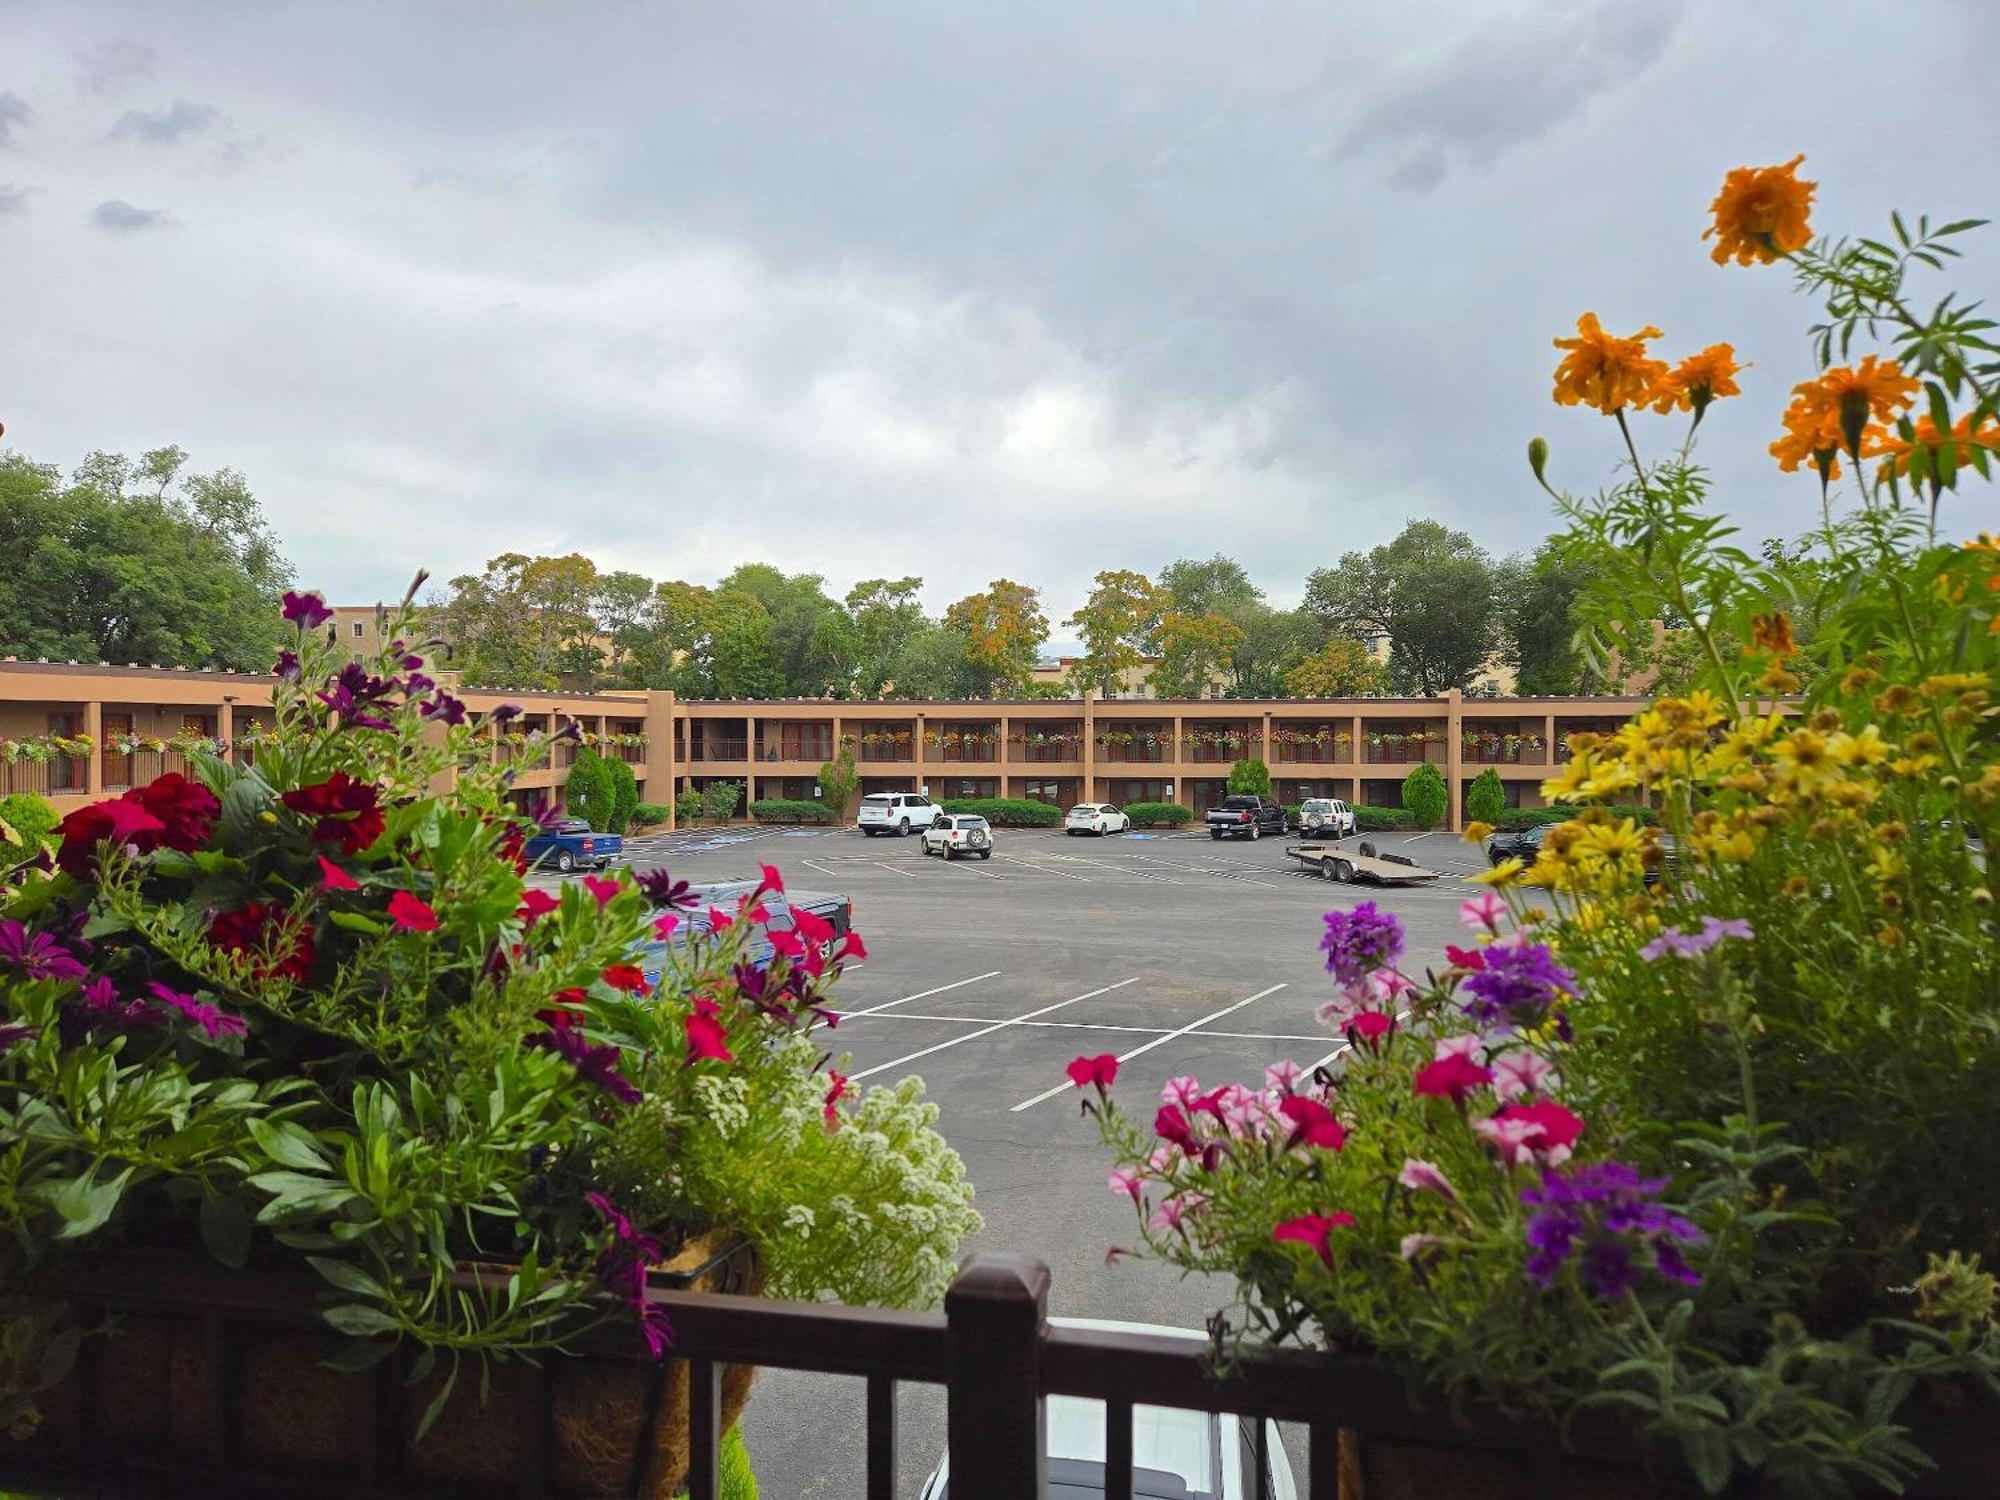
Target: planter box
(213, 1382)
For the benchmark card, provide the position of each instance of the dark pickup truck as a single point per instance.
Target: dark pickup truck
(571, 843)
(1245, 818)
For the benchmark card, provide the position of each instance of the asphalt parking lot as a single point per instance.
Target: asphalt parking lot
(1179, 954)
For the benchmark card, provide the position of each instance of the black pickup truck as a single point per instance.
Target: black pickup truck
(1245, 818)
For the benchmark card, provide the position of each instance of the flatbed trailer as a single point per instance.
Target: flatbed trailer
(1362, 865)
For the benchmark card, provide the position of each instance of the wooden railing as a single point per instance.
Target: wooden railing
(722, 750)
(1336, 753)
(58, 776)
(1406, 754)
(1135, 754)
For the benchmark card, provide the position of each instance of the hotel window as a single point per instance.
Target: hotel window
(357, 629)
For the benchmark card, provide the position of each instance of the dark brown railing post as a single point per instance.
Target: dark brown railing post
(996, 1312)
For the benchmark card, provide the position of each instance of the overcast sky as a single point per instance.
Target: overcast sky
(939, 288)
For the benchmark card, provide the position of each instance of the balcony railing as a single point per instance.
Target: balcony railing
(632, 755)
(1061, 753)
(1210, 755)
(1135, 754)
(1505, 755)
(58, 776)
(1405, 754)
(965, 754)
(816, 751)
(1336, 752)
(714, 750)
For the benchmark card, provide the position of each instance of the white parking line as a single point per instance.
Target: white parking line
(1042, 869)
(893, 870)
(1156, 1042)
(988, 1030)
(830, 874)
(1234, 1036)
(920, 995)
(969, 867)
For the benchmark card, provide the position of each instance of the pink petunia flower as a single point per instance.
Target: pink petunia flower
(412, 913)
(836, 1088)
(1182, 1090)
(771, 881)
(1315, 1230)
(1483, 910)
(1370, 1026)
(602, 890)
(1425, 1177)
(1283, 1075)
(1451, 1078)
(1519, 1074)
(1098, 1072)
(535, 905)
(1415, 1245)
(1123, 1180)
(1465, 1045)
(664, 925)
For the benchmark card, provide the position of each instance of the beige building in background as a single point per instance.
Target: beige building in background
(1059, 751)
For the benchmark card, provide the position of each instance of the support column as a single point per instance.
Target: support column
(660, 730)
(93, 768)
(1359, 752)
(225, 727)
(1175, 769)
(1266, 756)
(917, 728)
(1089, 746)
(1454, 755)
(1003, 762)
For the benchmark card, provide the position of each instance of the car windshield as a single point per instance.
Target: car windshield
(1234, 803)
(975, 824)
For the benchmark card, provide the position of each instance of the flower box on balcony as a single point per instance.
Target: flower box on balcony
(218, 1381)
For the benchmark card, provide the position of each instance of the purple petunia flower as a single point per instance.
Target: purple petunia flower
(14, 1034)
(506, 713)
(444, 706)
(571, 731)
(595, 1063)
(1691, 944)
(97, 1004)
(1518, 987)
(1613, 1213)
(1360, 941)
(287, 666)
(214, 1022)
(622, 1266)
(353, 694)
(36, 955)
(663, 890)
(307, 611)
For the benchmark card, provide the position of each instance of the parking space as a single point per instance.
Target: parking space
(1177, 954)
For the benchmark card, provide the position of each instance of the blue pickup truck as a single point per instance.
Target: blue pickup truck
(571, 843)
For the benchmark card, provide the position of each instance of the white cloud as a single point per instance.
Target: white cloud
(165, 127)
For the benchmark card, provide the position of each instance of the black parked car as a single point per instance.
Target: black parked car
(1526, 845)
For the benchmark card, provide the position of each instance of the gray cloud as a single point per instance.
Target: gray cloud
(110, 68)
(13, 199)
(1507, 82)
(116, 216)
(164, 127)
(14, 116)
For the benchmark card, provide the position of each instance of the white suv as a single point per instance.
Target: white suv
(959, 833)
(1326, 816)
(1095, 817)
(896, 812)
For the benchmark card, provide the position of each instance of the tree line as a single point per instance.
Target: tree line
(1445, 607)
(146, 561)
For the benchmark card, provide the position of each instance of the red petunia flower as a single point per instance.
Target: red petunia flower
(602, 890)
(412, 913)
(1170, 1124)
(333, 878)
(1313, 1124)
(1451, 1077)
(836, 1090)
(1098, 1072)
(772, 880)
(187, 810)
(535, 905)
(707, 1040)
(249, 931)
(123, 821)
(628, 977)
(1370, 1026)
(1315, 1230)
(851, 946)
(345, 811)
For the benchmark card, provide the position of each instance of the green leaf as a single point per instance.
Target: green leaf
(225, 1228)
(360, 1355)
(289, 1144)
(85, 1203)
(349, 1277)
(358, 1318)
(1707, 1452)
(354, 921)
(437, 1402)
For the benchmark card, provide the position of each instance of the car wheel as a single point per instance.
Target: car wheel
(1256, 832)
(1216, 834)
(949, 853)
(903, 829)
(565, 861)
(985, 853)
(1343, 871)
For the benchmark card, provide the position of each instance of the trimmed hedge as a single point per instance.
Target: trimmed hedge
(649, 815)
(1515, 819)
(1383, 820)
(1006, 812)
(1158, 814)
(790, 810)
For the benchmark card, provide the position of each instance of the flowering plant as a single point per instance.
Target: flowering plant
(313, 1007)
(1697, 1124)
(43, 747)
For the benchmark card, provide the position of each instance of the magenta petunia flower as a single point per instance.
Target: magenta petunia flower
(1313, 1124)
(1314, 1230)
(1098, 1072)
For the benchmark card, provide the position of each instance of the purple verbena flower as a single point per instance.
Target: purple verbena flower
(36, 955)
(307, 611)
(1360, 941)
(1613, 1213)
(1519, 986)
(1691, 944)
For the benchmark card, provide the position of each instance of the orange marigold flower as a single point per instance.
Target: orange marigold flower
(1842, 409)
(1892, 445)
(1605, 371)
(1760, 214)
(1773, 633)
(1699, 379)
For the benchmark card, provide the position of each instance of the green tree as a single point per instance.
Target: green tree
(812, 639)
(1274, 642)
(623, 607)
(1195, 651)
(720, 798)
(1004, 629)
(932, 664)
(1218, 585)
(590, 793)
(839, 779)
(1430, 591)
(1342, 668)
(1540, 627)
(136, 563)
(1424, 794)
(525, 622)
(886, 617)
(1486, 798)
(624, 794)
(732, 652)
(689, 805)
(1250, 778)
(1116, 624)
